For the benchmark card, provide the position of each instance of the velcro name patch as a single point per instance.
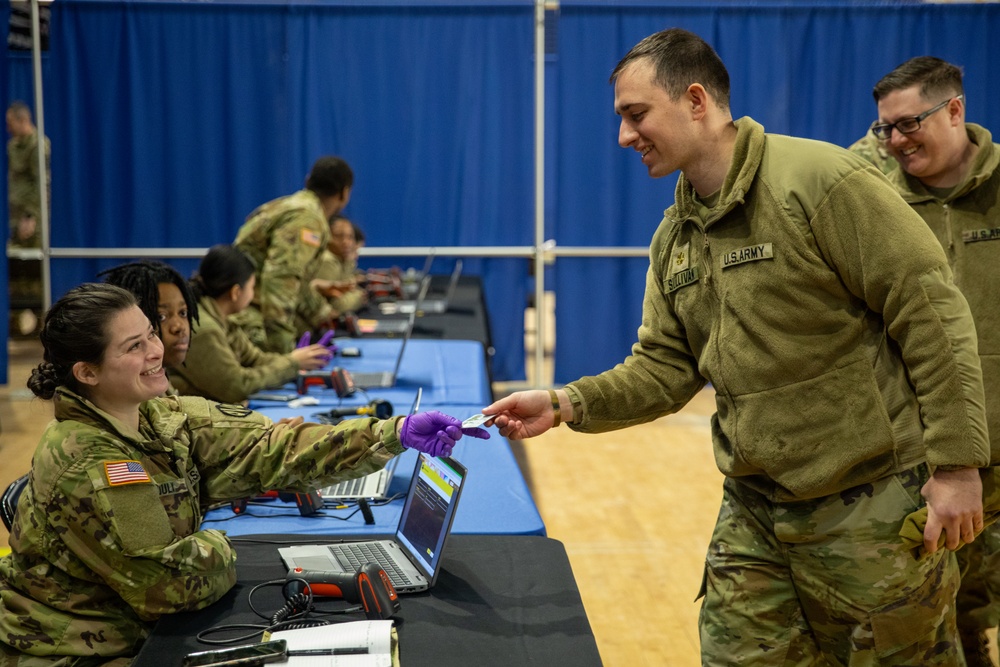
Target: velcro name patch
(751, 253)
(679, 280)
(975, 235)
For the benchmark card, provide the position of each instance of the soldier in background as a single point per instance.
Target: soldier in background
(874, 151)
(24, 205)
(950, 175)
(336, 277)
(23, 192)
(285, 238)
(107, 535)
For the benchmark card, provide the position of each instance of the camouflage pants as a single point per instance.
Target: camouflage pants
(978, 599)
(826, 582)
(11, 658)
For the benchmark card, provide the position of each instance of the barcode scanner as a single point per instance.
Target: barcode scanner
(369, 586)
(378, 596)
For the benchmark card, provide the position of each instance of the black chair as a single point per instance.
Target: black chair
(8, 502)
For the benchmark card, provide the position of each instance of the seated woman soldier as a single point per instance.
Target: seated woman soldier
(107, 537)
(222, 363)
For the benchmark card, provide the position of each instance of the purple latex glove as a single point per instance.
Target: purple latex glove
(435, 433)
(324, 341)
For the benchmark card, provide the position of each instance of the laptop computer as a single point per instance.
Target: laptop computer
(370, 487)
(412, 287)
(395, 325)
(412, 556)
(437, 305)
(383, 379)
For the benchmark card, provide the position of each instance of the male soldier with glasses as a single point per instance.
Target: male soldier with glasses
(950, 175)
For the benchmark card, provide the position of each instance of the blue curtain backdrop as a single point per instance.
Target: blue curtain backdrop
(170, 121)
(804, 68)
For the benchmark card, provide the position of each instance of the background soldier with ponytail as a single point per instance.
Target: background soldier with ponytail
(222, 363)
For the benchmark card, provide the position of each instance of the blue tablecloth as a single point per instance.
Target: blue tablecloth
(450, 372)
(496, 499)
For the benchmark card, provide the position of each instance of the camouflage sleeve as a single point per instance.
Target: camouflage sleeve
(121, 532)
(294, 248)
(241, 453)
(314, 308)
(228, 373)
(350, 302)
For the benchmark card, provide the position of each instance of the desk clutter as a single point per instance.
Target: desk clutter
(456, 583)
(500, 600)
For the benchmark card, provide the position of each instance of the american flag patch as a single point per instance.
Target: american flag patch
(125, 472)
(311, 238)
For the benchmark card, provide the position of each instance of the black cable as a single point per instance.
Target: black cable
(291, 616)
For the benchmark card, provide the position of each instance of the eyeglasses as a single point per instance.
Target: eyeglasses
(883, 131)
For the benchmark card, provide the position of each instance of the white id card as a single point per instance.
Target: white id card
(476, 420)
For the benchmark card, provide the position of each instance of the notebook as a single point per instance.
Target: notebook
(371, 487)
(438, 305)
(412, 556)
(383, 379)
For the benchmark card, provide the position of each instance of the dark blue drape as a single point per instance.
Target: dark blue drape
(170, 121)
(799, 68)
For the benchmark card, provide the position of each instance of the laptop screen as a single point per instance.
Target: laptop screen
(430, 510)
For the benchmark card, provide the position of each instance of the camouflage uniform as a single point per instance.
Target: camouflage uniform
(23, 196)
(334, 269)
(784, 294)
(107, 534)
(338, 270)
(873, 150)
(223, 365)
(284, 238)
(967, 224)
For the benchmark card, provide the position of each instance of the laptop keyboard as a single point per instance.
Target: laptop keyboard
(379, 379)
(353, 555)
(350, 487)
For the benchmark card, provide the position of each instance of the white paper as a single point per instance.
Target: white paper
(376, 635)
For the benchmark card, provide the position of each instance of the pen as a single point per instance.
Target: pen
(357, 650)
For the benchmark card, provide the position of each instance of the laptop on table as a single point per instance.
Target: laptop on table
(369, 487)
(383, 379)
(412, 556)
(438, 305)
(393, 325)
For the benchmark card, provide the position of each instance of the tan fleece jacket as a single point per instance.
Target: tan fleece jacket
(967, 223)
(821, 309)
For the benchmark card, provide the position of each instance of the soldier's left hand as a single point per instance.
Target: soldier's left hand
(954, 507)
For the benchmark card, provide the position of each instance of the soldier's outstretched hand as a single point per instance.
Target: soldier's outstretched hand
(523, 414)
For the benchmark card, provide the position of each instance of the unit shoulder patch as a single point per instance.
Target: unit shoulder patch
(233, 410)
